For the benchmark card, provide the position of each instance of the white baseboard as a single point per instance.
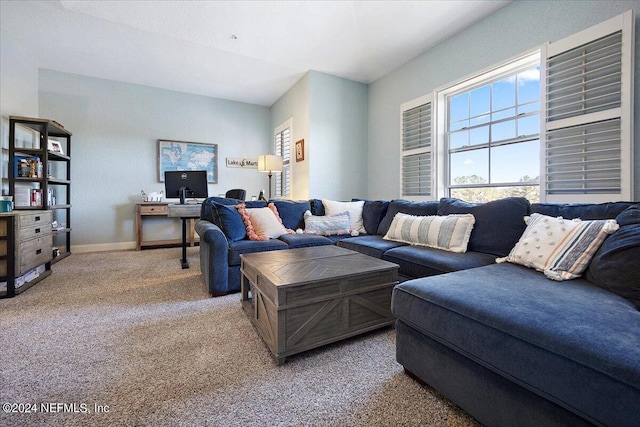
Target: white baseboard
(103, 247)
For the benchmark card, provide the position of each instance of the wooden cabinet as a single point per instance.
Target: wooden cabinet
(39, 173)
(25, 250)
(33, 240)
(7, 275)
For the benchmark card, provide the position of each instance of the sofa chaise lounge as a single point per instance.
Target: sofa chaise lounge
(503, 341)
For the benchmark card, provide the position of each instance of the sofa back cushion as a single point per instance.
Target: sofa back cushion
(372, 213)
(292, 212)
(615, 266)
(226, 217)
(499, 224)
(585, 211)
(406, 207)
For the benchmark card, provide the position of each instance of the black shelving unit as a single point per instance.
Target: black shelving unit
(55, 178)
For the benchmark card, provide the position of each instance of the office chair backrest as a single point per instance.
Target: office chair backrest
(236, 193)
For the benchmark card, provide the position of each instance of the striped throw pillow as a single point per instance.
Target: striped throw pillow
(560, 248)
(450, 233)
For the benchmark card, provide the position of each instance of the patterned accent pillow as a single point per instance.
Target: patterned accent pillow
(448, 232)
(262, 223)
(560, 248)
(354, 209)
(326, 225)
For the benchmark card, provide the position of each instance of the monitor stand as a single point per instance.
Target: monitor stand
(183, 201)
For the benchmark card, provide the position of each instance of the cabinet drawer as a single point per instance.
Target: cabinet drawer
(27, 233)
(33, 219)
(154, 210)
(33, 253)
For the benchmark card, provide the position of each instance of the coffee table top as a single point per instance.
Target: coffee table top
(306, 265)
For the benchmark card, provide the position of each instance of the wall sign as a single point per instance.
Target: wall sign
(241, 162)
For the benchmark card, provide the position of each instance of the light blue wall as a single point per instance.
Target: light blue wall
(115, 130)
(514, 29)
(294, 105)
(337, 143)
(18, 93)
(330, 114)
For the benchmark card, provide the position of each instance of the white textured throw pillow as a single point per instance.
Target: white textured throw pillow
(326, 225)
(265, 223)
(560, 248)
(354, 209)
(450, 233)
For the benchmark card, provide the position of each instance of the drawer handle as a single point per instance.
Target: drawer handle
(37, 230)
(39, 251)
(37, 218)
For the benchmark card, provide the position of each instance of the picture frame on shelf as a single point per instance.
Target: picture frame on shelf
(55, 147)
(187, 156)
(300, 150)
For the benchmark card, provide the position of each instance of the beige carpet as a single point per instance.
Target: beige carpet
(138, 336)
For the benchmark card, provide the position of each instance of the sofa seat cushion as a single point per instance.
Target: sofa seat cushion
(250, 246)
(420, 261)
(304, 240)
(571, 342)
(373, 246)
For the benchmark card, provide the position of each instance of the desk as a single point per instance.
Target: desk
(184, 212)
(158, 209)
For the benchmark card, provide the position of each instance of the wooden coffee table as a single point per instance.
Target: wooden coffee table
(299, 299)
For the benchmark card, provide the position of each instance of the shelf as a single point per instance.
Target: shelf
(58, 157)
(57, 181)
(54, 129)
(60, 257)
(61, 231)
(28, 179)
(59, 207)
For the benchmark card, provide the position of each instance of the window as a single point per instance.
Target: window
(554, 125)
(282, 147)
(492, 133)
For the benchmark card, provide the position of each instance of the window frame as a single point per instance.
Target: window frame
(488, 76)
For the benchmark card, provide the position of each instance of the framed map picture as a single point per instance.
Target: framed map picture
(187, 156)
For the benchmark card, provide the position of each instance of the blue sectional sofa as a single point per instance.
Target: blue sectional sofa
(504, 342)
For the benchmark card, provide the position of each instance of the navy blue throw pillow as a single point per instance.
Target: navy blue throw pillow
(372, 213)
(499, 224)
(292, 213)
(407, 207)
(615, 266)
(228, 219)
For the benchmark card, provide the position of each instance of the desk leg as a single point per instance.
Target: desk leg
(185, 263)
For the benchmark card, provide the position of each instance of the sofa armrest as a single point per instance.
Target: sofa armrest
(214, 262)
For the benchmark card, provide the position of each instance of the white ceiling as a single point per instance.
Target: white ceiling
(248, 51)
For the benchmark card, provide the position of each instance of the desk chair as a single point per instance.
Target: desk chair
(236, 193)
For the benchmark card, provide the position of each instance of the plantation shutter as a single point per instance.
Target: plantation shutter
(588, 114)
(282, 147)
(416, 146)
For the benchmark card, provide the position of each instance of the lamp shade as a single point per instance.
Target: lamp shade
(269, 163)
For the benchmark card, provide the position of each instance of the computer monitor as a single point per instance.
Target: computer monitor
(184, 184)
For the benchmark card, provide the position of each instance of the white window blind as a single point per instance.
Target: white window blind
(416, 146)
(588, 121)
(282, 147)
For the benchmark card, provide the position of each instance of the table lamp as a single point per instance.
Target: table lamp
(269, 163)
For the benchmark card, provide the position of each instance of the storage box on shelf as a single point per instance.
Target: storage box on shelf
(40, 173)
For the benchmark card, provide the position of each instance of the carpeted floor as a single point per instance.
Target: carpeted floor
(134, 334)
